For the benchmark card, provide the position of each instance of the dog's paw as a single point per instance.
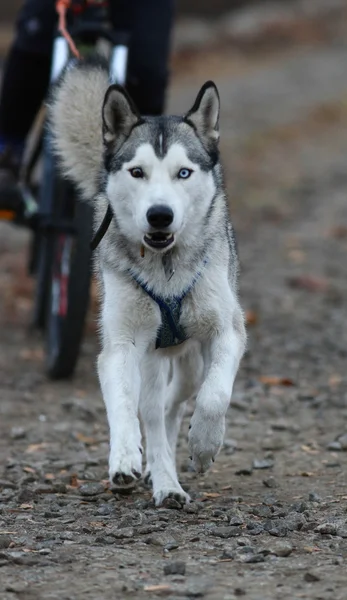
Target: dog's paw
(163, 496)
(205, 440)
(147, 480)
(125, 468)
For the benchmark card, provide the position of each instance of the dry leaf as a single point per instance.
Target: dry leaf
(335, 380)
(49, 476)
(32, 354)
(251, 317)
(85, 438)
(29, 470)
(273, 380)
(311, 283)
(74, 481)
(309, 450)
(7, 532)
(211, 495)
(26, 506)
(297, 256)
(36, 447)
(311, 549)
(339, 232)
(157, 588)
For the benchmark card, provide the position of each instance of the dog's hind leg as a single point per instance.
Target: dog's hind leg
(185, 382)
(160, 461)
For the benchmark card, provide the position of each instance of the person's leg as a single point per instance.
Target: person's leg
(150, 23)
(24, 84)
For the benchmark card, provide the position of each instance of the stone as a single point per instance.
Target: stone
(175, 568)
(91, 489)
(225, 532)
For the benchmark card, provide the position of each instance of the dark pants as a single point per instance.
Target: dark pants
(27, 69)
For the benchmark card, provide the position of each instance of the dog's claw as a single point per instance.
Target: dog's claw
(165, 499)
(148, 479)
(122, 480)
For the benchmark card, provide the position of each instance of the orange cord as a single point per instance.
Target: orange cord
(61, 8)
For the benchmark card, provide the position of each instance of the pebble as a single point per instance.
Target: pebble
(273, 443)
(342, 532)
(270, 482)
(104, 510)
(164, 541)
(91, 489)
(196, 587)
(191, 508)
(243, 541)
(282, 549)
(266, 463)
(151, 528)
(334, 446)
(5, 541)
(326, 528)
(105, 539)
(239, 591)
(244, 471)
(225, 532)
(311, 577)
(18, 433)
(343, 441)
(276, 529)
(175, 568)
(236, 517)
(123, 533)
(294, 521)
(252, 558)
(132, 519)
(25, 495)
(314, 497)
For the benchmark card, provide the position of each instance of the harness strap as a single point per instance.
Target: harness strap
(170, 333)
(102, 228)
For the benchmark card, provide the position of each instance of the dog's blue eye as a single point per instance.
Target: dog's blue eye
(184, 173)
(136, 172)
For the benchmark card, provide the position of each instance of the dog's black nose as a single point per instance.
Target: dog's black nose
(160, 216)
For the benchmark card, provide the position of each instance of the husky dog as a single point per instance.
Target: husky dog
(172, 327)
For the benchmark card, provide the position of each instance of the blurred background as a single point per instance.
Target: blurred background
(281, 70)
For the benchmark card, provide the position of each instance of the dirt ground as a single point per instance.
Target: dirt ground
(269, 521)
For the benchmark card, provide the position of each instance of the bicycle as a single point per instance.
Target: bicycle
(62, 226)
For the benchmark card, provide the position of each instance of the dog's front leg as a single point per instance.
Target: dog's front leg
(207, 425)
(160, 460)
(119, 374)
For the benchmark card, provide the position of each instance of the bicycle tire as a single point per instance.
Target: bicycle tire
(69, 291)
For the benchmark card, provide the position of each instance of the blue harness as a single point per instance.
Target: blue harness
(170, 332)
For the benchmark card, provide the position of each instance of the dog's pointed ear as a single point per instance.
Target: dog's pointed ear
(119, 115)
(204, 114)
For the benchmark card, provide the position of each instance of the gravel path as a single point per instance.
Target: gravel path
(269, 521)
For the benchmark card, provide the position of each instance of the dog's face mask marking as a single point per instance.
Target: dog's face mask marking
(160, 170)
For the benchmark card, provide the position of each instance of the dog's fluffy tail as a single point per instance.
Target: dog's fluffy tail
(76, 123)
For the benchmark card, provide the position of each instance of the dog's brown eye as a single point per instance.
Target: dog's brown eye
(136, 172)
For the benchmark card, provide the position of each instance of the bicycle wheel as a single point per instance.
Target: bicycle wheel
(69, 288)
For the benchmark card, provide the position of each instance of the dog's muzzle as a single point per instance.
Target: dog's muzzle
(159, 217)
(159, 240)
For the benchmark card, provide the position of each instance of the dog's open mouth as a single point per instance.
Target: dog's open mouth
(159, 240)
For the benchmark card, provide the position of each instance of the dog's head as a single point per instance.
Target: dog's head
(160, 170)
